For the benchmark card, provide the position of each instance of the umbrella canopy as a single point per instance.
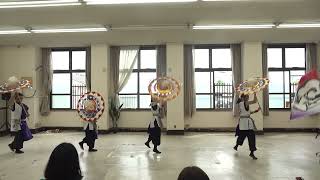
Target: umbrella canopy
(252, 85)
(164, 89)
(91, 106)
(13, 84)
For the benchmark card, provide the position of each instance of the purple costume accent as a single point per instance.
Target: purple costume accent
(26, 133)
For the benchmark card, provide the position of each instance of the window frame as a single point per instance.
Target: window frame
(284, 69)
(70, 71)
(212, 70)
(138, 71)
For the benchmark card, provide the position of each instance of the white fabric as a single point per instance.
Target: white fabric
(92, 125)
(128, 58)
(245, 121)
(16, 118)
(156, 118)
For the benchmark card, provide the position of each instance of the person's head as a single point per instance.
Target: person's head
(18, 97)
(193, 173)
(63, 164)
(243, 97)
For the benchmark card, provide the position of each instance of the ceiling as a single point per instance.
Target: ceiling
(238, 12)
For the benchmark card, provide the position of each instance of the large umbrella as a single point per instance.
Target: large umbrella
(91, 106)
(253, 85)
(13, 84)
(164, 89)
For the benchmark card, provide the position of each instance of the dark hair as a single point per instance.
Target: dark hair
(241, 98)
(193, 173)
(63, 164)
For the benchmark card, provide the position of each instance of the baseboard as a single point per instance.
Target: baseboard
(218, 130)
(175, 132)
(105, 131)
(4, 133)
(259, 132)
(292, 130)
(42, 129)
(210, 130)
(132, 130)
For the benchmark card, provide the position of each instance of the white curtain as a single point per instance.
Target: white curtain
(127, 60)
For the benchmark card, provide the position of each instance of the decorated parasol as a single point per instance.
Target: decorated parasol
(13, 84)
(252, 86)
(91, 106)
(164, 89)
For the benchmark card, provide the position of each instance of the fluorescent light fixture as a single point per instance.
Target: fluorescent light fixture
(22, 4)
(306, 25)
(100, 29)
(155, 27)
(2, 32)
(91, 2)
(256, 26)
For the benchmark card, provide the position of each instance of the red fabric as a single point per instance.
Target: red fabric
(309, 76)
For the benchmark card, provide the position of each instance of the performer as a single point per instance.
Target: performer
(19, 127)
(154, 129)
(246, 124)
(90, 128)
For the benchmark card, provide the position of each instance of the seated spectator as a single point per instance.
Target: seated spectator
(63, 164)
(193, 173)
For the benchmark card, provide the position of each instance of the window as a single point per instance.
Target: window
(69, 77)
(286, 65)
(135, 94)
(213, 77)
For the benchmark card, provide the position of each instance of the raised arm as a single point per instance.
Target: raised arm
(255, 99)
(257, 110)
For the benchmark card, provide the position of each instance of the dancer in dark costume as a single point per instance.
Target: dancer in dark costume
(19, 127)
(246, 124)
(154, 129)
(90, 128)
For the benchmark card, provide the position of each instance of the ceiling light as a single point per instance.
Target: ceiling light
(21, 4)
(311, 25)
(100, 29)
(14, 32)
(157, 27)
(91, 2)
(256, 26)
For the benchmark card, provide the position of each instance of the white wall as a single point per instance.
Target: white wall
(281, 119)
(252, 67)
(21, 61)
(175, 108)
(211, 119)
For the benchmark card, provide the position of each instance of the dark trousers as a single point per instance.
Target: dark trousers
(251, 138)
(154, 135)
(17, 142)
(91, 136)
